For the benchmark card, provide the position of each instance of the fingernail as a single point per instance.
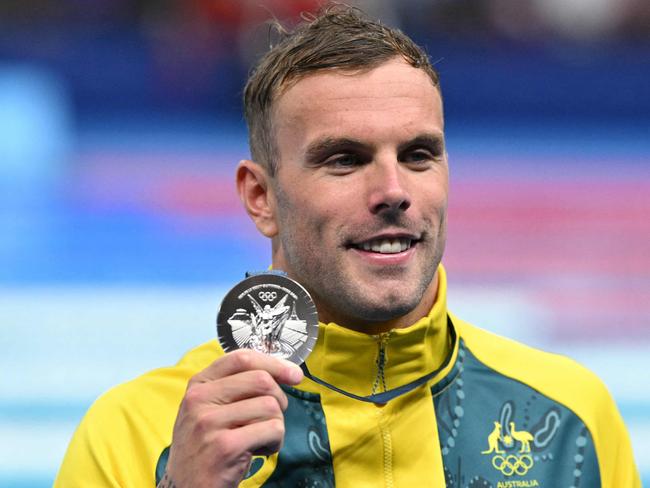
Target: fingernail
(295, 374)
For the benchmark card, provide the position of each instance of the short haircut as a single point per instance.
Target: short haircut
(339, 37)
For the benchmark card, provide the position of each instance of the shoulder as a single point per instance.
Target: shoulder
(157, 390)
(564, 382)
(557, 377)
(132, 421)
(553, 375)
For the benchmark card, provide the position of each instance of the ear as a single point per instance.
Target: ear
(256, 193)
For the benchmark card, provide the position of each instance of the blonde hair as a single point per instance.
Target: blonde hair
(339, 37)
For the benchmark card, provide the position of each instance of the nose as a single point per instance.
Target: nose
(388, 190)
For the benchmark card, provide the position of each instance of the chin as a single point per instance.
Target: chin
(387, 310)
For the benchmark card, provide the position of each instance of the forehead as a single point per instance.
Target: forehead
(390, 101)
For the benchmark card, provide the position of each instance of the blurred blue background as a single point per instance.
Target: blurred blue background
(120, 229)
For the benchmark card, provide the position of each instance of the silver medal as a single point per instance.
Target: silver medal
(269, 313)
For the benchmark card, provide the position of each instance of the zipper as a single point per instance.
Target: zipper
(384, 427)
(380, 378)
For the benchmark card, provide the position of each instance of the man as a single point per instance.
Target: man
(349, 180)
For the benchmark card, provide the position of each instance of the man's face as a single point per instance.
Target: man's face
(360, 194)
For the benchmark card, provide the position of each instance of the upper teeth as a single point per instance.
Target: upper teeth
(387, 246)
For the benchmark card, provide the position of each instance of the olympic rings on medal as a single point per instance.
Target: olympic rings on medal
(267, 296)
(512, 464)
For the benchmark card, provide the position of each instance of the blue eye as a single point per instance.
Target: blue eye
(343, 161)
(420, 155)
(420, 159)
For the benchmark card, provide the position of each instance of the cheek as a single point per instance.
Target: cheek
(320, 208)
(317, 211)
(437, 194)
(313, 225)
(301, 223)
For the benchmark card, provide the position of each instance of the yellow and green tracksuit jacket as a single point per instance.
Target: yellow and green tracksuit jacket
(494, 414)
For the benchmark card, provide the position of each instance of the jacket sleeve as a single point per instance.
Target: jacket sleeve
(89, 459)
(107, 449)
(613, 447)
(124, 433)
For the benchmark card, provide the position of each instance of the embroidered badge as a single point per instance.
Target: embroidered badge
(510, 464)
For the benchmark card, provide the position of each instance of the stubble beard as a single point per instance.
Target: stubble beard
(339, 298)
(397, 303)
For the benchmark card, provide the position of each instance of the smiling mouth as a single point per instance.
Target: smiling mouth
(386, 245)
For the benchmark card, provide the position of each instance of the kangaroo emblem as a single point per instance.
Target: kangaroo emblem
(493, 440)
(521, 436)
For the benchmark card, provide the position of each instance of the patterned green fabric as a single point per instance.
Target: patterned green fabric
(305, 460)
(496, 432)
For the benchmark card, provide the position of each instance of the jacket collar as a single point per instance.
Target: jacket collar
(364, 364)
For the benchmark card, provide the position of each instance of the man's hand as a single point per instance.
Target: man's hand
(231, 411)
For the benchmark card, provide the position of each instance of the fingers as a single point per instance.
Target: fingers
(231, 410)
(250, 427)
(253, 410)
(257, 439)
(263, 438)
(247, 360)
(245, 385)
(240, 375)
(245, 412)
